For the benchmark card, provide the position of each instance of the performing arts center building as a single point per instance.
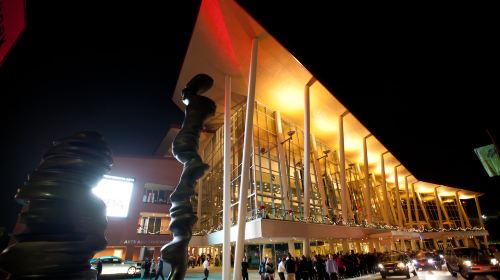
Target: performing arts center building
(315, 180)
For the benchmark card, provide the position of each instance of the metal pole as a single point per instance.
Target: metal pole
(438, 207)
(384, 190)
(343, 183)
(408, 205)
(319, 182)
(226, 223)
(283, 165)
(481, 221)
(415, 205)
(398, 196)
(368, 196)
(307, 153)
(245, 168)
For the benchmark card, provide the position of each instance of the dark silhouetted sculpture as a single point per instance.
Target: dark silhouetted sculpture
(185, 149)
(64, 221)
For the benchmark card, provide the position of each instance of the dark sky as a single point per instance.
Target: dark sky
(423, 80)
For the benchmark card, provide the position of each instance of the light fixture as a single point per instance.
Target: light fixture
(290, 134)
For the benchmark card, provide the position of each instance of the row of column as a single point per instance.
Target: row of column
(389, 213)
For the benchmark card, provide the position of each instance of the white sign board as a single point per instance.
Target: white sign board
(116, 193)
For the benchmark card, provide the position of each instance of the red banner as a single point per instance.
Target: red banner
(12, 24)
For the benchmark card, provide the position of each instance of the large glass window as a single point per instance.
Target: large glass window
(153, 223)
(156, 193)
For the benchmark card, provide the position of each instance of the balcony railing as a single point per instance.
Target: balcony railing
(153, 230)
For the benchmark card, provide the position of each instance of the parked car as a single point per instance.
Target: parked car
(470, 262)
(116, 265)
(427, 260)
(396, 264)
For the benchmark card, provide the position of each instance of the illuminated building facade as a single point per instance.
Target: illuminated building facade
(136, 194)
(298, 170)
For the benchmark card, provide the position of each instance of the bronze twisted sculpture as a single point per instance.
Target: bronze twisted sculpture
(185, 149)
(65, 221)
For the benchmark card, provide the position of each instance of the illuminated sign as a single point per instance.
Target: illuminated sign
(116, 193)
(12, 24)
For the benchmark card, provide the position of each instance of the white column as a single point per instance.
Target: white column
(358, 247)
(438, 207)
(343, 183)
(368, 193)
(398, 197)
(245, 168)
(345, 246)
(306, 248)
(384, 191)
(226, 223)
(371, 245)
(459, 210)
(198, 207)
(319, 181)
(417, 217)
(141, 253)
(377, 245)
(478, 208)
(466, 218)
(307, 150)
(481, 221)
(291, 247)
(408, 208)
(284, 170)
(424, 211)
(403, 245)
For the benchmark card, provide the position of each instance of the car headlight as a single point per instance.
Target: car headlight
(494, 261)
(414, 261)
(401, 265)
(431, 261)
(380, 266)
(467, 263)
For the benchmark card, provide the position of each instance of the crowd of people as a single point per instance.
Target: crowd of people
(152, 269)
(320, 267)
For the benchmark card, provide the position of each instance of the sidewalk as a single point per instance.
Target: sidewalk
(216, 273)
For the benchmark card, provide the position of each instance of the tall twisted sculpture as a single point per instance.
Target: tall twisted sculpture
(64, 221)
(185, 150)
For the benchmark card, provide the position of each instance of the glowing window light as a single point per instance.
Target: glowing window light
(116, 193)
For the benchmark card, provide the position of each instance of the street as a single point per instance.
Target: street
(215, 273)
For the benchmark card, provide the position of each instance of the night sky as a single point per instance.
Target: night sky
(423, 81)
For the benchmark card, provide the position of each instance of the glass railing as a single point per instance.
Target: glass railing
(153, 230)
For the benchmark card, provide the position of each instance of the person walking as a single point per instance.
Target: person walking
(331, 268)
(262, 269)
(282, 269)
(269, 269)
(290, 267)
(159, 269)
(147, 268)
(206, 263)
(244, 269)
(99, 268)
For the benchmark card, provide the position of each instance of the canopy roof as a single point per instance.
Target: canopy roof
(221, 46)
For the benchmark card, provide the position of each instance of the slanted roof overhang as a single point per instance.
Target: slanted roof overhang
(221, 47)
